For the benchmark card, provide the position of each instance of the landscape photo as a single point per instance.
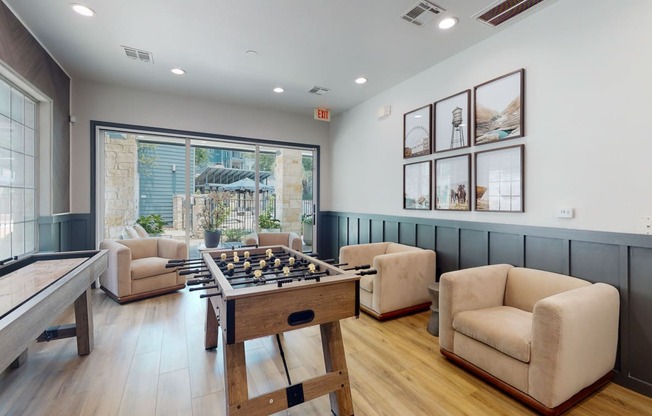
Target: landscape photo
(499, 108)
(416, 185)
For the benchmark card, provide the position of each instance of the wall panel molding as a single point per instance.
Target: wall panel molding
(619, 259)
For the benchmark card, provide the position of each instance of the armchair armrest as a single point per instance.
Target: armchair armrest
(468, 289)
(169, 248)
(251, 240)
(356, 255)
(574, 341)
(295, 242)
(117, 277)
(402, 279)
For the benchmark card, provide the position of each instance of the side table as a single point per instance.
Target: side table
(433, 324)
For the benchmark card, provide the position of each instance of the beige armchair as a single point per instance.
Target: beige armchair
(137, 270)
(291, 240)
(548, 339)
(401, 284)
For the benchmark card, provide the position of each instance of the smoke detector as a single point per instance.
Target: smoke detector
(138, 55)
(423, 12)
(503, 10)
(319, 90)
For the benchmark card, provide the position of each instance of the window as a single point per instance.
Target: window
(18, 153)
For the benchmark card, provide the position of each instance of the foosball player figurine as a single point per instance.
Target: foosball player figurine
(222, 262)
(247, 266)
(230, 269)
(277, 264)
(263, 265)
(258, 277)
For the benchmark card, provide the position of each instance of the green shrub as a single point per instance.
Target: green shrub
(152, 223)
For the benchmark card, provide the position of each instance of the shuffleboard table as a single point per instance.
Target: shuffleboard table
(36, 290)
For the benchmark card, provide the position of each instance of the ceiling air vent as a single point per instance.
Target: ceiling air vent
(319, 90)
(503, 10)
(138, 55)
(421, 13)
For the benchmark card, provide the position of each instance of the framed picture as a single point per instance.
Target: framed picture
(452, 120)
(499, 179)
(416, 132)
(417, 185)
(499, 108)
(453, 183)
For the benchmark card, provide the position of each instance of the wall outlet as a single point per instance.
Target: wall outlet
(565, 212)
(646, 225)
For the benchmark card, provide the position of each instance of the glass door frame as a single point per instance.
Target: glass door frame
(97, 213)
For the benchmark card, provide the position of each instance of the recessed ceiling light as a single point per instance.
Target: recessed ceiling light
(278, 90)
(83, 10)
(361, 80)
(177, 71)
(447, 23)
(251, 52)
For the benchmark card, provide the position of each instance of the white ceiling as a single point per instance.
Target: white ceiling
(300, 44)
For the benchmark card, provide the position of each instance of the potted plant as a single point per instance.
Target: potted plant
(307, 229)
(266, 222)
(212, 217)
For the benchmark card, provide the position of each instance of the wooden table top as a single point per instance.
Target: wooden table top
(20, 285)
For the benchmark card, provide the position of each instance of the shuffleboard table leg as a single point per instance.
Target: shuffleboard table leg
(335, 360)
(19, 360)
(84, 323)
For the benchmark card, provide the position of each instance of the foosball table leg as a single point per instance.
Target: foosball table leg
(235, 372)
(212, 326)
(335, 360)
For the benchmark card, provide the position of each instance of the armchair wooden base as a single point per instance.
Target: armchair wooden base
(524, 398)
(131, 298)
(395, 314)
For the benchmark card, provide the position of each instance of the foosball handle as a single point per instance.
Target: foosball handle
(361, 267)
(208, 295)
(192, 289)
(367, 272)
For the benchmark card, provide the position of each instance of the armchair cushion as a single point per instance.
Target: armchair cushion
(507, 329)
(147, 267)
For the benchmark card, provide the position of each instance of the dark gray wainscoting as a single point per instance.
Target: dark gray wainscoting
(621, 260)
(66, 232)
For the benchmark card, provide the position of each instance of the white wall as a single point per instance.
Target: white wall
(93, 101)
(587, 146)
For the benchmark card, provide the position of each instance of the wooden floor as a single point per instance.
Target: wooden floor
(149, 360)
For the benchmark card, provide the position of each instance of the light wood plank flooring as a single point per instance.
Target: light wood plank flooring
(149, 360)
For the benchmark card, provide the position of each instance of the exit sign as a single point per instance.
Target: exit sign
(322, 114)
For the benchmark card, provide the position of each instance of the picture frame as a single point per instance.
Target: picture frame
(499, 108)
(499, 179)
(453, 183)
(417, 134)
(452, 122)
(417, 185)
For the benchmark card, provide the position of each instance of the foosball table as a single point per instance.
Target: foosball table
(254, 292)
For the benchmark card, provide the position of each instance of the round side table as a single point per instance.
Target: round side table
(433, 324)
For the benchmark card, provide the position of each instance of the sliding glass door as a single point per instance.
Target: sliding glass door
(187, 187)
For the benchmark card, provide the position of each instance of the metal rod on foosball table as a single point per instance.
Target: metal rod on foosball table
(252, 258)
(290, 277)
(182, 262)
(270, 270)
(193, 271)
(237, 267)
